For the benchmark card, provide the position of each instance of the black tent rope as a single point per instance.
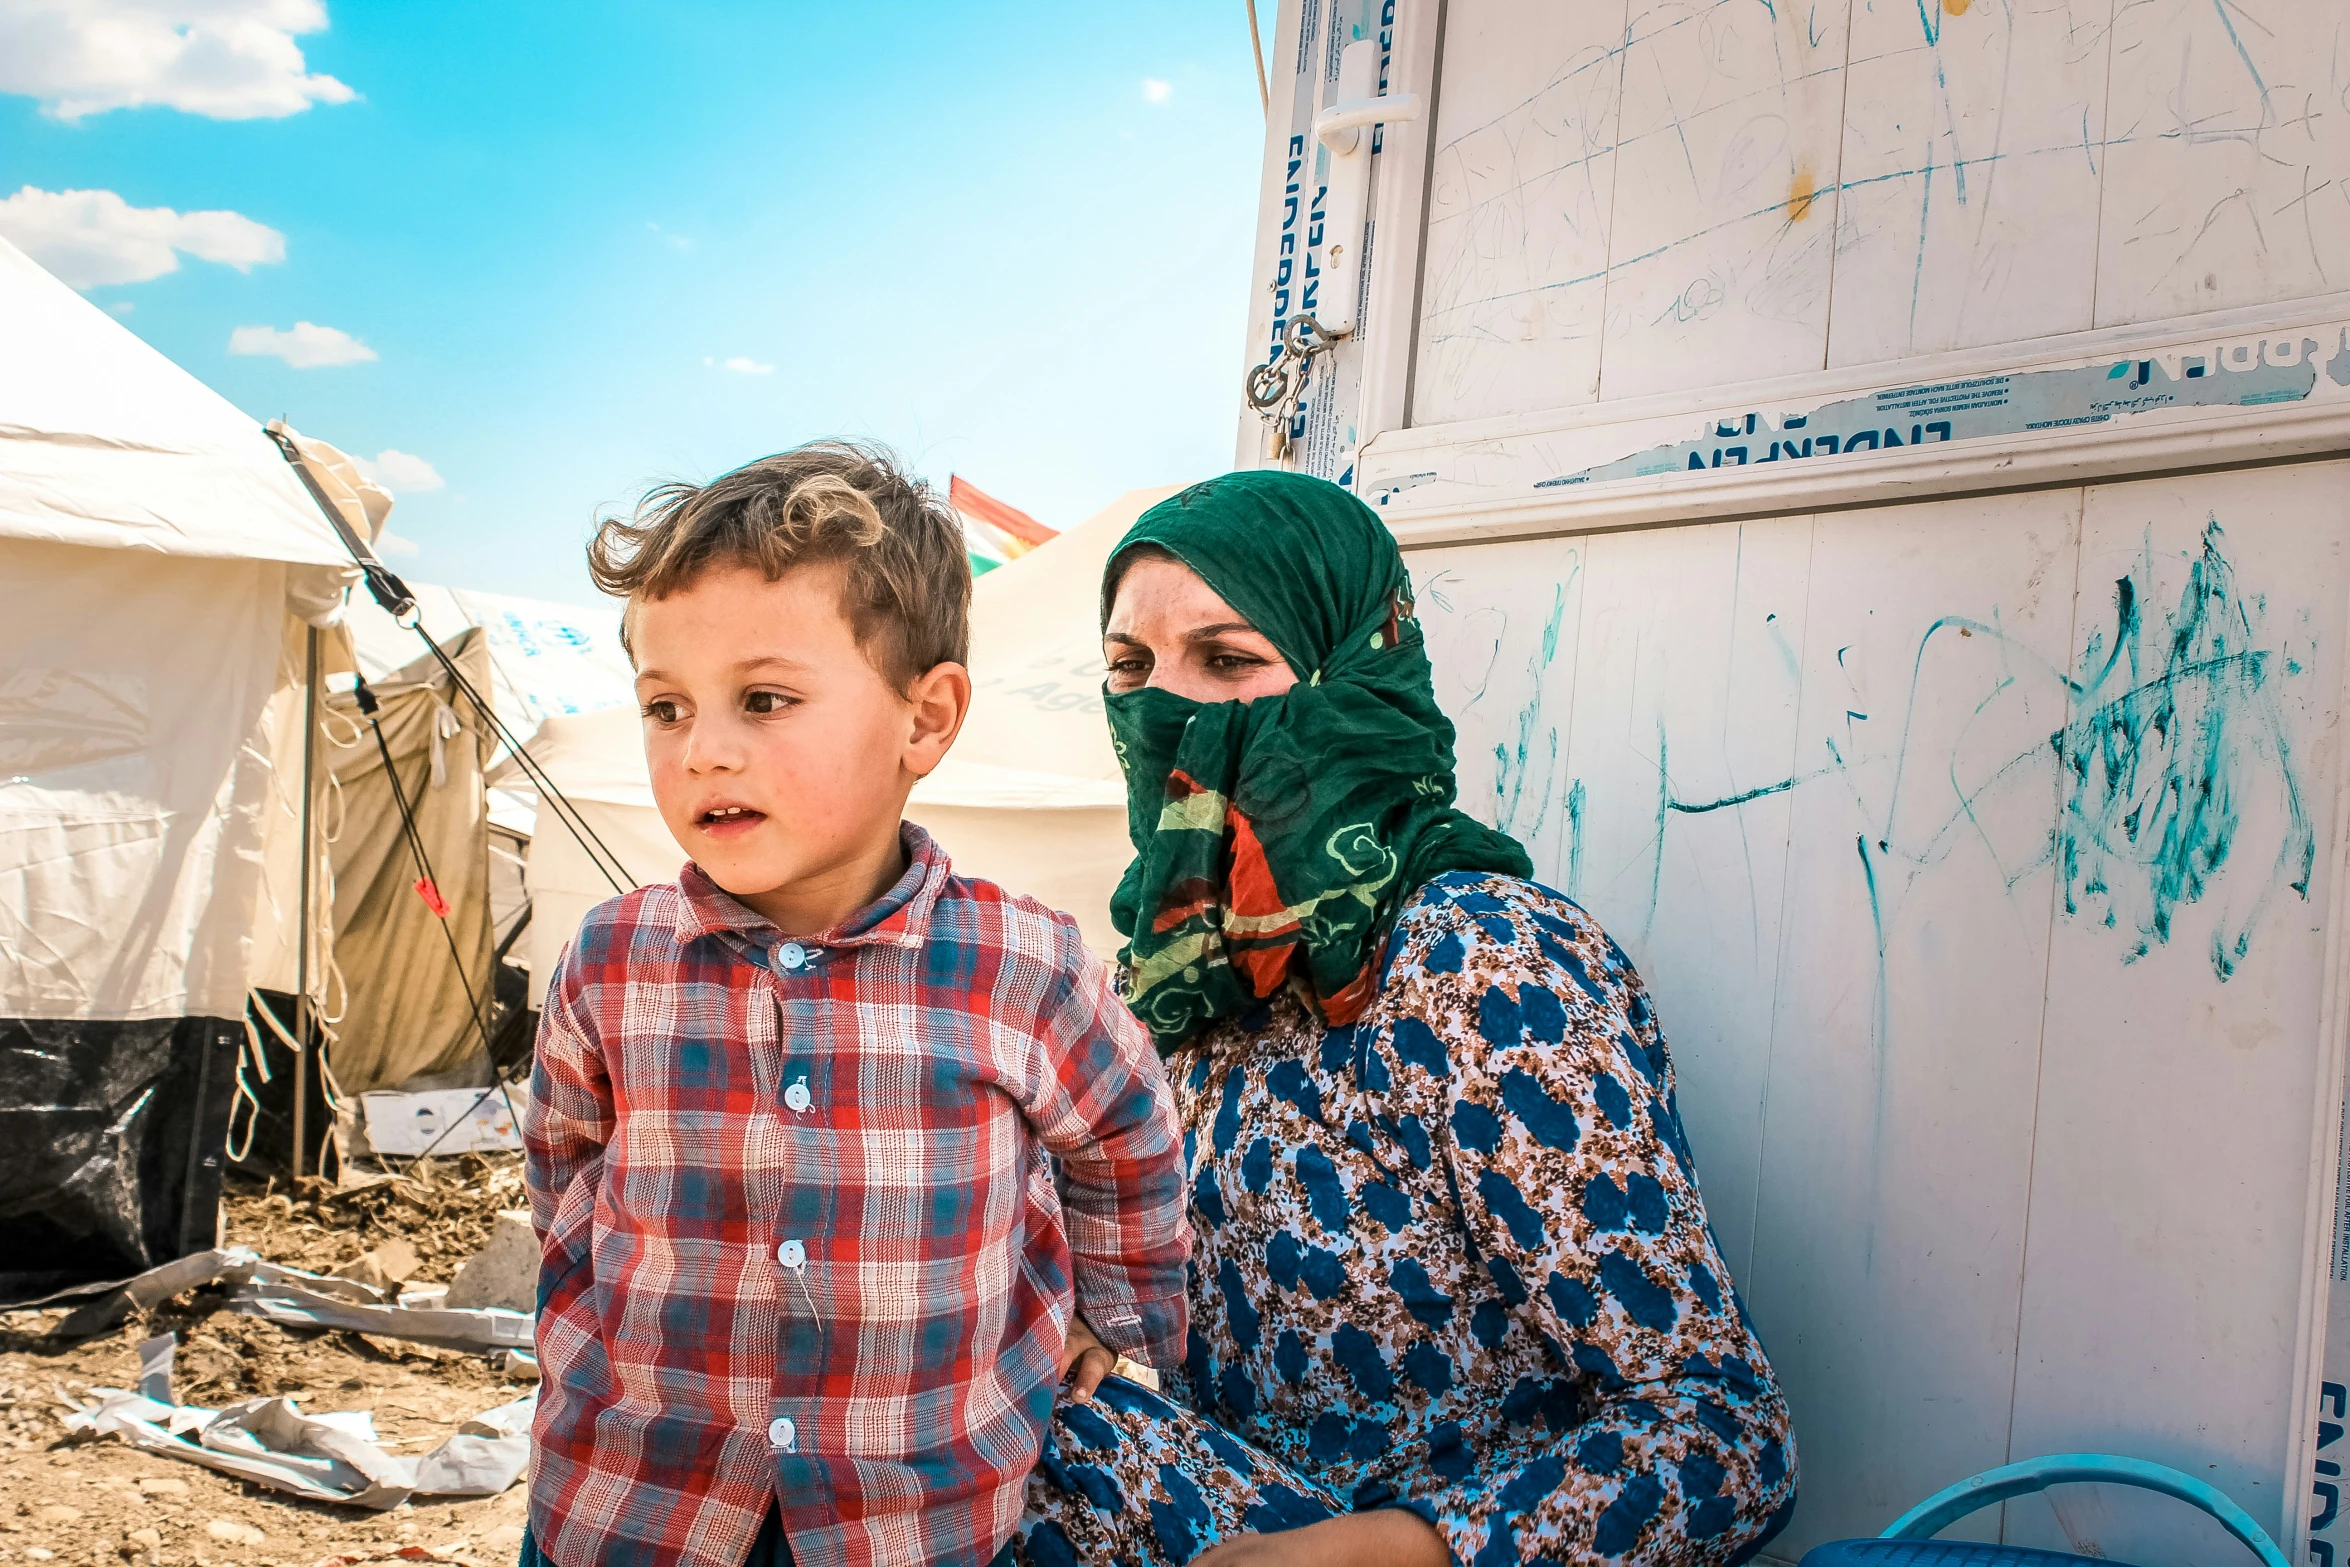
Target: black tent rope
(408, 830)
(368, 705)
(386, 588)
(388, 591)
(568, 813)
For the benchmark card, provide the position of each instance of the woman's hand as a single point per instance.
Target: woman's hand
(1387, 1537)
(1085, 1360)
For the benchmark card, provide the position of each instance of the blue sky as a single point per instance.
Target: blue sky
(1010, 241)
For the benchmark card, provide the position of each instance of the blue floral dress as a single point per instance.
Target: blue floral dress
(1451, 1258)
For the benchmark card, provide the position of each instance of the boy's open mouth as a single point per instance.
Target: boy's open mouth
(721, 817)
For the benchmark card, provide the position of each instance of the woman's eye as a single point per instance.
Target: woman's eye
(1234, 663)
(765, 703)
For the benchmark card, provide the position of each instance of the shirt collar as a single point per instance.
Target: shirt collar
(900, 917)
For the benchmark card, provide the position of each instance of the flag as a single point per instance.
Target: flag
(993, 533)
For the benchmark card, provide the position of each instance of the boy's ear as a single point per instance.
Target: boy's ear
(938, 700)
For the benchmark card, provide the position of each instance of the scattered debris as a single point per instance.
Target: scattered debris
(444, 1208)
(300, 1299)
(505, 1273)
(74, 1495)
(155, 1360)
(151, 1289)
(328, 1458)
(384, 1269)
(291, 1298)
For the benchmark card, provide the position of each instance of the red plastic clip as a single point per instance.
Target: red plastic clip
(432, 897)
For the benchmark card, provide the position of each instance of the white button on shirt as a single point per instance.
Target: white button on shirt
(782, 1433)
(795, 1098)
(792, 956)
(791, 1254)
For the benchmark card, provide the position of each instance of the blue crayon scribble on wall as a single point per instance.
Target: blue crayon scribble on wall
(2178, 782)
(2176, 734)
(1532, 760)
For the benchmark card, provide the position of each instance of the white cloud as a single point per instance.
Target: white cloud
(391, 544)
(122, 307)
(1156, 91)
(306, 347)
(740, 364)
(224, 59)
(93, 237)
(676, 242)
(402, 473)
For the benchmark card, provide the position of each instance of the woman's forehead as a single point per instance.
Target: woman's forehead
(1157, 592)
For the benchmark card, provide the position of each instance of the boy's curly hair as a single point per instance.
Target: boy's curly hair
(908, 589)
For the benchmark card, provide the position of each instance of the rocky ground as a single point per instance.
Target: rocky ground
(82, 1500)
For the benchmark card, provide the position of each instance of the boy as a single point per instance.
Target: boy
(808, 1283)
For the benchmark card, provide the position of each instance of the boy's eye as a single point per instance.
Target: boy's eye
(765, 703)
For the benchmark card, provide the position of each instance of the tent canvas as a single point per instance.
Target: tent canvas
(547, 660)
(415, 983)
(134, 774)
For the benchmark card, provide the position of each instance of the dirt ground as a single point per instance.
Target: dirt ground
(77, 1499)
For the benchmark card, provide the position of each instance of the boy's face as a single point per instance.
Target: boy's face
(780, 756)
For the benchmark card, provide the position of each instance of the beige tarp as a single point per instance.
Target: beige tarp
(404, 1006)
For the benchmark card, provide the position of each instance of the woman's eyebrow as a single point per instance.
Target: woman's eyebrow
(1220, 628)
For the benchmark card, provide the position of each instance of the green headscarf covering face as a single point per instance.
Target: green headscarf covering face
(1275, 839)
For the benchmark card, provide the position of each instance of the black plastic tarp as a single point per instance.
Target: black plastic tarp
(110, 1146)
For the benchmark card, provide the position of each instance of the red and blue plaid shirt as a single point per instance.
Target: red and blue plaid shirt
(801, 1236)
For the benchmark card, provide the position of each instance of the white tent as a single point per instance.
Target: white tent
(159, 557)
(1030, 796)
(547, 660)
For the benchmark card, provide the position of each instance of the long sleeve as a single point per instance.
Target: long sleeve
(566, 1123)
(1666, 1439)
(1098, 1099)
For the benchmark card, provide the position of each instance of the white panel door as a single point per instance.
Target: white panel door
(1725, 220)
(1627, 707)
(1503, 625)
(1898, 1133)
(2183, 1072)
(2227, 157)
(1520, 190)
(1679, 780)
(1934, 830)
(1970, 174)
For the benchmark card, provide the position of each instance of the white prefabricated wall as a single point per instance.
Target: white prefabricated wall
(1867, 469)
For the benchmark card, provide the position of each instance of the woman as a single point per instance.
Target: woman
(1453, 1293)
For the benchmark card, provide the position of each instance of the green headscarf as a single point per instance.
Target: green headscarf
(1276, 839)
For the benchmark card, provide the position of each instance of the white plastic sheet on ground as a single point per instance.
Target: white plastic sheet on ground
(301, 1300)
(311, 1300)
(328, 1458)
